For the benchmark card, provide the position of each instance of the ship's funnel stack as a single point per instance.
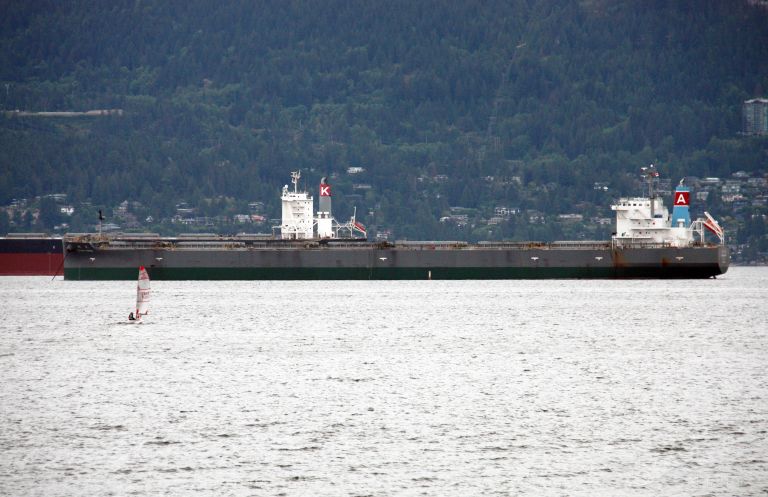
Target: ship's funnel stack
(681, 217)
(325, 196)
(324, 217)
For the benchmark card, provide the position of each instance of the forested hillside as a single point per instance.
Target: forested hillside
(522, 104)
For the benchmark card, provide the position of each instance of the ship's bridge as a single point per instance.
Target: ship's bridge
(642, 219)
(297, 212)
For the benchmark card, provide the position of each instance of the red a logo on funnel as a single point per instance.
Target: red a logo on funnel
(325, 190)
(681, 198)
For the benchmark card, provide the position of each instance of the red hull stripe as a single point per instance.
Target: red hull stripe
(30, 264)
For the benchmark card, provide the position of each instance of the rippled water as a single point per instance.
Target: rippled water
(386, 388)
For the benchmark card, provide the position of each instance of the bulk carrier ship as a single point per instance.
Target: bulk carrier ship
(649, 243)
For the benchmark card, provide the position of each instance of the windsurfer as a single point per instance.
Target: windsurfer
(130, 317)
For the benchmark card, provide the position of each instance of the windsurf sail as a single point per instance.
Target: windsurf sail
(142, 293)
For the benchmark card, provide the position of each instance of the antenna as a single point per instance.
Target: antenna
(295, 175)
(650, 174)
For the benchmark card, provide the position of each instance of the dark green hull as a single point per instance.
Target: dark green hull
(389, 274)
(370, 263)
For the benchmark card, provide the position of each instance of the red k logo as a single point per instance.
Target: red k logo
(325, 190)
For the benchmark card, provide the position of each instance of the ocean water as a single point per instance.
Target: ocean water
(358, 388)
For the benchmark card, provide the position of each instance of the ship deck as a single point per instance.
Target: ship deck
(244, 243)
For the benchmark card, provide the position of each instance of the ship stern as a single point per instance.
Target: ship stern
(723, 258)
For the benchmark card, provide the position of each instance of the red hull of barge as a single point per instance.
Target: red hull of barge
(31, 256)
(30, 264)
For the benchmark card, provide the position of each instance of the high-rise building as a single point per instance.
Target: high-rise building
(755, 115)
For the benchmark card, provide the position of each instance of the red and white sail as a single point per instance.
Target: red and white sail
(142, 293)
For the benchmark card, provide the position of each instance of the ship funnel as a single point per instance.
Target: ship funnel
(324, 218)
(325, 196)
(681, 217)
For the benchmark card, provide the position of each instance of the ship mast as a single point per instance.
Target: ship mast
(651, 175)
(101, 220)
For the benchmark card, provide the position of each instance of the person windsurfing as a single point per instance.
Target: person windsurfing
(130, 317)
(142, 296)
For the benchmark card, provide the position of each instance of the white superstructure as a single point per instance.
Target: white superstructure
(297, 222)
(646, 220)
(642, 219)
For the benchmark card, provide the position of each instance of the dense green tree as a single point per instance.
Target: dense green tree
(5, 223)
(430, 97)
(50, 214)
